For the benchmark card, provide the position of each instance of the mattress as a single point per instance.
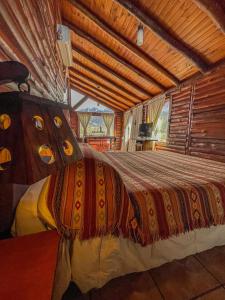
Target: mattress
(111, 257)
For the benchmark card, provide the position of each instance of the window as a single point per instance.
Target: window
(93, 106)
(75, 97)
(96, 127)
(128, 129)
(161, 130)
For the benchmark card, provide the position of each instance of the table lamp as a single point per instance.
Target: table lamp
(35, 138)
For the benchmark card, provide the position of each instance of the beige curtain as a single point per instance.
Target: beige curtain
(84, 119)
(125, 137)
(154, 108)
(108, 120)
(136, 121)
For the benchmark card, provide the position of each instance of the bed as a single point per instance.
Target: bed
(192, 190)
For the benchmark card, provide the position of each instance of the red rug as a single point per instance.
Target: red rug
(27, 266)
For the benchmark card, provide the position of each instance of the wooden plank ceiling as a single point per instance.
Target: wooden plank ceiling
(181, 38)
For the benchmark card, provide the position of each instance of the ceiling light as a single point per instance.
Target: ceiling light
(140, 35)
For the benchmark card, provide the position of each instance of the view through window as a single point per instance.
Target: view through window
(96, 127)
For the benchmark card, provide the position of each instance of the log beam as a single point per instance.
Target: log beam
(80, 84)
(115, 56)
(102, 87)
(112, 72)
(80, 102)
(115, 86)
(123, 41)
(95, 98)
(215, 10)
(163, 33)
(100, 91)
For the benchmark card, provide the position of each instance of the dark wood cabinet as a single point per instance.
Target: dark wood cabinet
(37, 139)
(10, 195)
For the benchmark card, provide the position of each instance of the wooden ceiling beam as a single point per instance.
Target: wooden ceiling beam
(96, 98)
(215, 10)
(80, 102)
(123, 41)
(118, 88)
(102, 87)
(79, 83)
(112, 72)
(97, 90)
(164, 34)
(115, 56)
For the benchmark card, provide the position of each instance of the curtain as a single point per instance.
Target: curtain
(108, 120)
(137, 113)
(84, 119)
(154, 108)
(126, 130)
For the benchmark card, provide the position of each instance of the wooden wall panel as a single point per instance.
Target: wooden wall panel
(74, 123)
(28, 35)
(118, 130)
(197, 121)
(207, 132)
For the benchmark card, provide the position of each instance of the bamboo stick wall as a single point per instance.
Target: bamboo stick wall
(28, 35)
(197, 120)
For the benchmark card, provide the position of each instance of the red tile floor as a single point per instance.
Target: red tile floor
(200, 276)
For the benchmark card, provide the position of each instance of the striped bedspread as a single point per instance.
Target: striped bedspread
(145, 196)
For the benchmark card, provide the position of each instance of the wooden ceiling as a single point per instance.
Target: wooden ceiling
(181, 39)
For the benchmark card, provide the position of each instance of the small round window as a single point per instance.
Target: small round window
(5, 121)
(68, 148)
(5, 158)
(46, 154)
(57, 122)
(38, 122)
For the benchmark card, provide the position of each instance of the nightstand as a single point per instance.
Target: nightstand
(145, 144)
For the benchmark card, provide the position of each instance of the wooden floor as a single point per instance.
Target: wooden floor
(200, 276)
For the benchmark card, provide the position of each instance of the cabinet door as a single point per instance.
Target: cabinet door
(148, 145)
(6, 203)
(10, 195)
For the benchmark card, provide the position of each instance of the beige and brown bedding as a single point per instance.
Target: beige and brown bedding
(143, 196)
(195, 187)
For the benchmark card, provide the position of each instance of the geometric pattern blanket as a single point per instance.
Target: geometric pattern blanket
(144, 196)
